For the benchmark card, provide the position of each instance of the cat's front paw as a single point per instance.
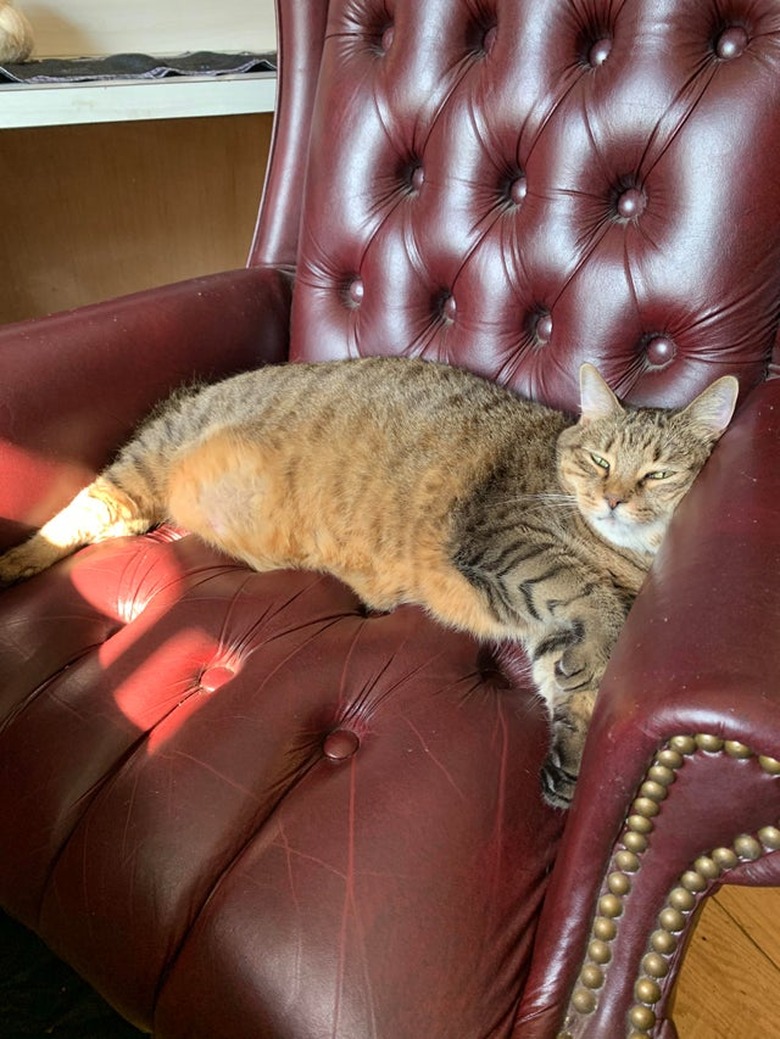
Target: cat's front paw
(579, 667)
(557, 781)
(562, 766)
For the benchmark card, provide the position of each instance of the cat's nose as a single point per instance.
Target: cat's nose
(613, 500)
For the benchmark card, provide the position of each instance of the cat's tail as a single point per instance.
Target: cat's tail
(101, 511)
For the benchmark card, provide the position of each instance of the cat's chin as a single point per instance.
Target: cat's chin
(637, 537)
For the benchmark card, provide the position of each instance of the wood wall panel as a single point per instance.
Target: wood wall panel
(95, 211)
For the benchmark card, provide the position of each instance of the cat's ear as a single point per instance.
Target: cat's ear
(714, 407)
(596, 398)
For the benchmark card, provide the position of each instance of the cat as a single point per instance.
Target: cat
(417, 482)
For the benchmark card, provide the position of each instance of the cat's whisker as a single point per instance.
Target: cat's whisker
(539, 496)
(542, 500)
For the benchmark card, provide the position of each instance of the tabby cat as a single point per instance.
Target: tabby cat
(415, 482)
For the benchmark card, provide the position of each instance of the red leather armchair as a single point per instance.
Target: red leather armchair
(242, 806)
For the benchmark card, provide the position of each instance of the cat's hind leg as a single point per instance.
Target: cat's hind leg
(99, 512)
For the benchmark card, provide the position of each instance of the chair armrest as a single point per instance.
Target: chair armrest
(690, 704)
(73, 386)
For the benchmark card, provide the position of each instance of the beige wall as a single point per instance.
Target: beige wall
(86, 27)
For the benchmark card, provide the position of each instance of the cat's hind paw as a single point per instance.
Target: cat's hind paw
(26, 560)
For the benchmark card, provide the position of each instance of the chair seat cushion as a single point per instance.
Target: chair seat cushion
(241, 805)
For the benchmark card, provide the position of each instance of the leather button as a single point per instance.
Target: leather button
(489, 40)
(417, 178)
(543, 328)
(518, 189)
(732, 42)
(599, 52)
(631, 203)
(355, 291)
(387, 38)
(214, 678)
(660, 350)
(340, 745)
(449, 307)
(490, 672)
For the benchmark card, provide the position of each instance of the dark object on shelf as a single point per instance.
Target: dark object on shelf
(136, 66)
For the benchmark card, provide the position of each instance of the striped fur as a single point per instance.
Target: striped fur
(420, 483)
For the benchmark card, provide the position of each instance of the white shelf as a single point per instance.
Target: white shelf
(177, 97)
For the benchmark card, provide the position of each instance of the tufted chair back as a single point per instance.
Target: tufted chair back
(519, 186)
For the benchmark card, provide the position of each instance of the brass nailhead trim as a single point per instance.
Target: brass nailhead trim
(627, 861)
(770, 837)
(619, 884)
(681, 902)
(604, 929)
(694, 880)
(610, 906)
(592, 977)
(655, 965)
(712, 744)
(599, 952)
(682, 899)
(737, 750)
(663, 942)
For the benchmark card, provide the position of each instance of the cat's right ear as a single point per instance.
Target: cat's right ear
(714, 407)
(597, 401)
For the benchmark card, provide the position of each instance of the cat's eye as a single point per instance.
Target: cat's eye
(602, 463)
(659, 474)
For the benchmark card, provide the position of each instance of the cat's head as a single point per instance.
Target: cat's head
(629, 467)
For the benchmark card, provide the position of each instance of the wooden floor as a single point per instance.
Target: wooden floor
(729, 983)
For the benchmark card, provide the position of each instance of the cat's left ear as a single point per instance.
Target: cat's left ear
(596, 398)
(714, 407)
